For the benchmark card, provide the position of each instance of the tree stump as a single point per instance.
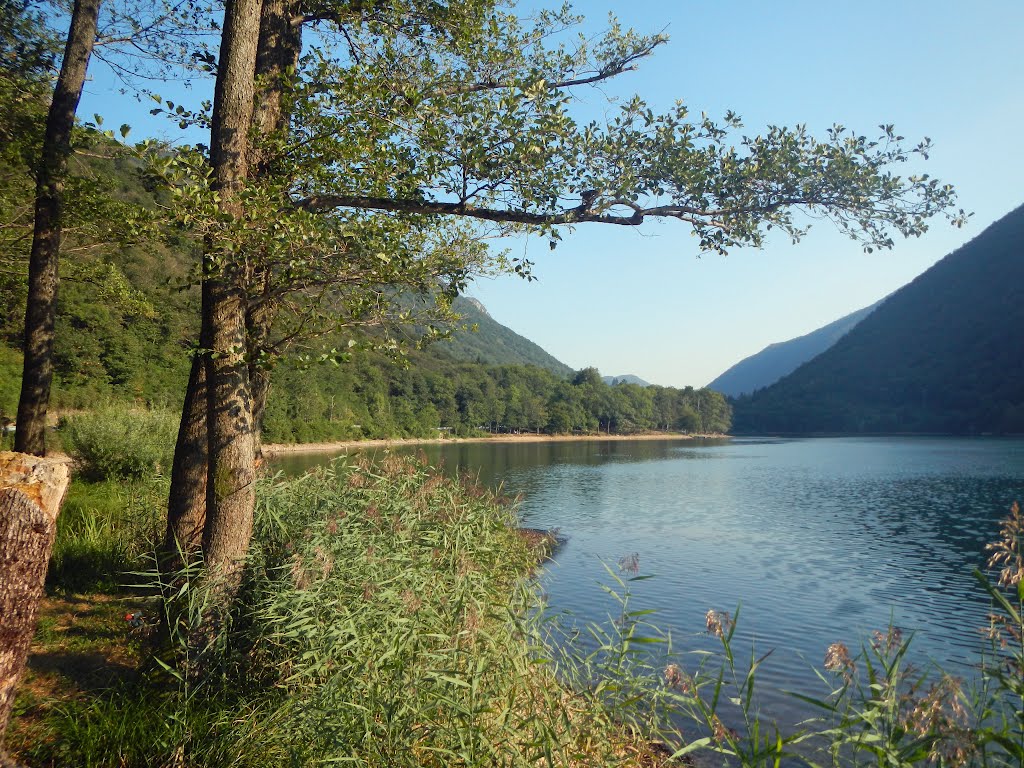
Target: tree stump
(32, 490)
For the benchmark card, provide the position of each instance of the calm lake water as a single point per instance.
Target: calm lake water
(818, 540)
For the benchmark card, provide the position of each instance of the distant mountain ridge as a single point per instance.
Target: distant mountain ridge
(493, 343)
(941, 355)
(781, 358)
(627, 378)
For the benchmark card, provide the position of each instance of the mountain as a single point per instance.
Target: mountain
(941, 355)
(492, 343)
(776, 360)
(628, 378)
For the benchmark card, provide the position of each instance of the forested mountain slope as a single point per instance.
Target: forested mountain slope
(941, 355)
(779, 359)
(127, 318)
(494, 344)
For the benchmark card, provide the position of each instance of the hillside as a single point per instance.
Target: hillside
(782, 358)
(941, 355)
(492, 343)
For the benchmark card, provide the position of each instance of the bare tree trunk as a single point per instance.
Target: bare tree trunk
(43, 274)
(220, 503)
(230, 497)
(259, 380)
(31, 492)
(186, 505)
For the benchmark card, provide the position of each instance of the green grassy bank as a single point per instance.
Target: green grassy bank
(384, 620)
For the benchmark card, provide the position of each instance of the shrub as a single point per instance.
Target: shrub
(120, 441)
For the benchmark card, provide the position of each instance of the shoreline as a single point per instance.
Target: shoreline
(354, 445)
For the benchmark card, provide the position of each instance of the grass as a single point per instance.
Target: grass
(385, 620)
(106, 529)
(115, 441)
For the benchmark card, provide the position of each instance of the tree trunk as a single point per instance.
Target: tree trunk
(31, 492)
(230, 497)
(186, 506)
(258, 320)
(230, 492)
(43, 275)
(277, 59)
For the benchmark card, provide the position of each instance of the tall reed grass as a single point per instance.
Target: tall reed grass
(385, 619)
(106, 530)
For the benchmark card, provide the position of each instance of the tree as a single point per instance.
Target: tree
(31, 493)
(404, 117)
(149, 31)
(41, 306)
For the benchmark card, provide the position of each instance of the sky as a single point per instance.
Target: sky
(645, 301)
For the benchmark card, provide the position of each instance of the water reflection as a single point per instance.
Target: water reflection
(818, 540)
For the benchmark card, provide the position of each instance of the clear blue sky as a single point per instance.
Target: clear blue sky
(644, 301)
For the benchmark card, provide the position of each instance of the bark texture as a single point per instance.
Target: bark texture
(31, 492)
(277, 58)
(280, 44)
(231, 471)
(186, 505)
(43, 272)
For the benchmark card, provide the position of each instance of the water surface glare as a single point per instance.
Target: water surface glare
(818, 540)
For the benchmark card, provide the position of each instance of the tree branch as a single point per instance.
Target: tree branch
(569, 216)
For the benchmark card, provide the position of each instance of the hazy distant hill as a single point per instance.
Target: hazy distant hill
(942, 354)
(628, 378)
(776, 360)
(494, 344)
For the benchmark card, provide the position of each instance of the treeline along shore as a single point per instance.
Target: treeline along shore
(356, 445)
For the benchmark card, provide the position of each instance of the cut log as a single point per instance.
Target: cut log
(32, 490)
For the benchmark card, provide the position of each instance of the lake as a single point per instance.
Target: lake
(818, 540)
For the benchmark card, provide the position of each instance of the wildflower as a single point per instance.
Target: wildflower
(630, 563)
(888, 642)
(676, 678)
(719, 623)
(838, 661)
(720, 732)
(1008, 552)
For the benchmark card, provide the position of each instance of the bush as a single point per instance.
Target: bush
(120, 441)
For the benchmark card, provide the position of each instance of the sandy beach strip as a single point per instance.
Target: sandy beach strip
(358, 445)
